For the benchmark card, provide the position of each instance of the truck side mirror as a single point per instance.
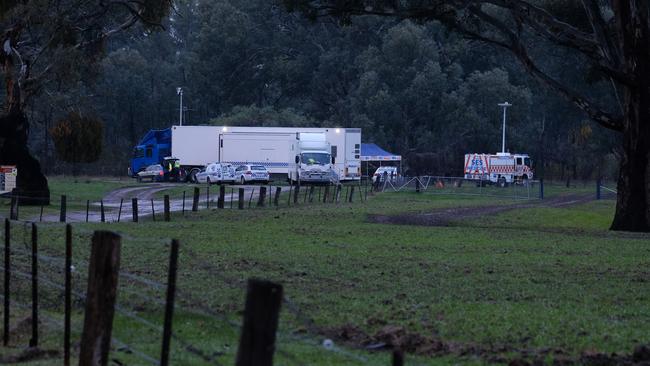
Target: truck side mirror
(333, 160)
(297, 159)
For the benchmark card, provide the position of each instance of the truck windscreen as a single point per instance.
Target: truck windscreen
(138, 153)
(315, 158)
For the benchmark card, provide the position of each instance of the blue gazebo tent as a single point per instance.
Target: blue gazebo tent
(372, 152)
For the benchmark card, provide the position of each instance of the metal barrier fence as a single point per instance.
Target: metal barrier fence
(532, 189)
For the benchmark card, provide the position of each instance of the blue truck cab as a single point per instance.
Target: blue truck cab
(152, 149)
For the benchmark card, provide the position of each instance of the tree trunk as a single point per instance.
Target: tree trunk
(31, 184)
(633, 199)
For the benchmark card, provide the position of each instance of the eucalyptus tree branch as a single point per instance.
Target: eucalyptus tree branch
(518, 49)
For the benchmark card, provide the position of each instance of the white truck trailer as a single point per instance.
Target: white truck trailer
(196, 146)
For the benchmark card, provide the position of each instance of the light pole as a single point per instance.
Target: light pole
(179, 91)
(505, 106)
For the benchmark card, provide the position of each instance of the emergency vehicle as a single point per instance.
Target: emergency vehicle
(500, 168)
(8, 174)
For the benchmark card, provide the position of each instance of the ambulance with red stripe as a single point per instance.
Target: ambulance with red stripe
(500, 168)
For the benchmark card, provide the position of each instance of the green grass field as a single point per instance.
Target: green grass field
(540, 282)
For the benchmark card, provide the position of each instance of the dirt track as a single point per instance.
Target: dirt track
(444, 217)
(144, 193)
(141, 192)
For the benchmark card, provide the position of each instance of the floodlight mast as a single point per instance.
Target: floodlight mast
(179, 91)
(505, 106)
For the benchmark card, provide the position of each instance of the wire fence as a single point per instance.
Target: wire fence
(159, 205)
(37, 290)
(524, 189)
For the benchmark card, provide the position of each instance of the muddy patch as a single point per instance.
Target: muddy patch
(448, 216)
(392, 337)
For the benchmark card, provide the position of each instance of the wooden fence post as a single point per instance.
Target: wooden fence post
(261, 200)
(63, 208)
(13, 208)
(40, 217)
(231, 196)
(338, 192)
(296, 192)
(207, 196)
(169, 305)
(33, 342)
(7, 284)
(304, 200)
(119, 211)
(251, 197)
(326, 192)
(67, 295)
(289, 197)
(183, 209)
(398, 357)
(261, 313)
(195, 200)
(351, 194)
(270, 195)
(103, 216)
(153, 211)
(134, 208)
(240, 199)
(276, 200)
(167, 213)
(103, 274)
(221, 201)
(311, 193)
(87, 209)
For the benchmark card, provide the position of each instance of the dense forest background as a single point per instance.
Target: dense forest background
(413, 89)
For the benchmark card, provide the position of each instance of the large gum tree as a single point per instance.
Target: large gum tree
(47, 46)
(612, 36)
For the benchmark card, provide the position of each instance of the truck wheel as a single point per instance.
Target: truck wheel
(501, 182)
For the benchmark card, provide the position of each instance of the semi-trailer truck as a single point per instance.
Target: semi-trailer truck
(196, 146)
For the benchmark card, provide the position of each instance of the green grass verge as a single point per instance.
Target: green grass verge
(525, 279)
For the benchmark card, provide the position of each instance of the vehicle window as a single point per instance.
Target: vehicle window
(149, 151)
(138, 153)
(527, 162)
(258, 167)
(518, 161)
(315, 158)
